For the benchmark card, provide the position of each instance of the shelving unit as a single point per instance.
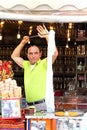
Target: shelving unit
(81, 63)
(64, 67)
(81, 57)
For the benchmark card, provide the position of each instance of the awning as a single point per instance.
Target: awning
(44, 10)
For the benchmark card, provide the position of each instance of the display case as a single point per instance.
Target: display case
(69, 123)
(71, 103)
(52, 122)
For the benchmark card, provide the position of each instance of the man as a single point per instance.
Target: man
(34, 69)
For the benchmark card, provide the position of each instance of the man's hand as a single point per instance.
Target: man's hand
(42, 31)
(25, 39)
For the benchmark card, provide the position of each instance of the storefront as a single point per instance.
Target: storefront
(61, 12)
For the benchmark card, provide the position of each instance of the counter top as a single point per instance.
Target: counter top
(51, 116)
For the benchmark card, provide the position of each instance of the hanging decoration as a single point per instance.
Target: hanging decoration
(1, 26)
(19, 26)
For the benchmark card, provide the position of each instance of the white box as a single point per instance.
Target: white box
(10, 108)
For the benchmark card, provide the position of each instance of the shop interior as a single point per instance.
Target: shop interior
(70, 66)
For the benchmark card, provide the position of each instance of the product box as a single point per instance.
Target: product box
(38, 125)
(10, 108)
(81, 50)
(12, 124)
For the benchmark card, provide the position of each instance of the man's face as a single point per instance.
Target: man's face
(34, 54)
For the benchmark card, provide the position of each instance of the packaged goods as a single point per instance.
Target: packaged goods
(10, 99)
(9, 89)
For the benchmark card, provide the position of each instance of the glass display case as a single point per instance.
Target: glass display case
(71, 103)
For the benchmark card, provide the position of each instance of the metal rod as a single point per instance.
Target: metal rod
(33, 36)
(37, 35)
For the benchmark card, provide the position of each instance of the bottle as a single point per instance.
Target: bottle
(80, 66)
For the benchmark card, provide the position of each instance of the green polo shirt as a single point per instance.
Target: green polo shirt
(35, 80)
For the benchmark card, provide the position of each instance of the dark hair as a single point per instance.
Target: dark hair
(30, 45)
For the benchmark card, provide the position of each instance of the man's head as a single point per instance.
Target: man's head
(34, 54)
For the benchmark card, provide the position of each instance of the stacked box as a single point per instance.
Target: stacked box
(13, 124)
(10, 99)
(10, 108)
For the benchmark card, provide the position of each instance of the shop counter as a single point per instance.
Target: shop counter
(51, 122)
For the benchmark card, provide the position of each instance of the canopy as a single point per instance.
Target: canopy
(44, 10)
